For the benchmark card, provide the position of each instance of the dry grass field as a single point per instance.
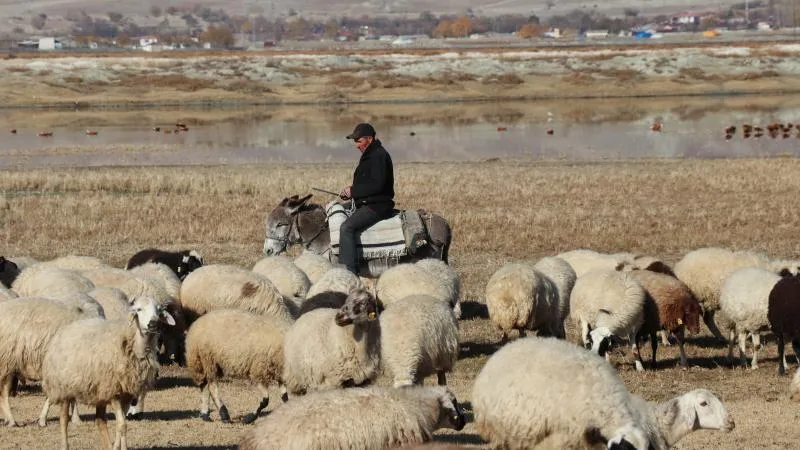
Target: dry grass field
(500, 211)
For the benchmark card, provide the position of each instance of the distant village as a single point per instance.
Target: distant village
(204, 28)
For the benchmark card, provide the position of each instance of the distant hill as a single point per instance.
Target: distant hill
(542, 8)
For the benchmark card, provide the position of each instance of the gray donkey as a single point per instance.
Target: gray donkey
(295, 221)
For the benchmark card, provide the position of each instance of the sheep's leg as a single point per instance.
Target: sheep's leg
(665, 338)
(522, 333)
(585, 334)
(756, 347)
(731, 343)
(250, 418)
(742, 348)
(120, 440)
(76, 417)
(654, 347)
(135, 411)
(781, 355)
(102, 425)
(6, 390)
(638, 353)
(63, 421)
(708, 318)
(223, 410)
(442, 378)
(205, 397)
(796, 349)
(679, 335)
(284, 394)
(45, 410)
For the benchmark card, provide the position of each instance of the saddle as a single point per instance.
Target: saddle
(399, 235)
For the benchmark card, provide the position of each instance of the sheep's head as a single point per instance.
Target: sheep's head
(190, 261)
(149, 314)
(705, 411)
(359, 307)
(450, 413)
(8, 272)
(629, 437)
(600, 340)
(280, 229)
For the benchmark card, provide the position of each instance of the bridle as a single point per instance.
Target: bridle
(293, 235)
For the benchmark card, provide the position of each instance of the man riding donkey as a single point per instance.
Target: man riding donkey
(372, 192)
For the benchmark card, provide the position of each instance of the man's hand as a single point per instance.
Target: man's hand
(346, 193)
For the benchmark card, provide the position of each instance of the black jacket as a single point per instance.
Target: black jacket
(373, 179)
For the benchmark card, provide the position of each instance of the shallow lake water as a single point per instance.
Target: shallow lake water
(582, 130)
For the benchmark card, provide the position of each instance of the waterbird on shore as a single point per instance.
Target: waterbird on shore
(45, 133)
(91, 133)
(550, 132)
(13, 131)
(156, 129)
(502, 129)
(657, 126)
(730, 130)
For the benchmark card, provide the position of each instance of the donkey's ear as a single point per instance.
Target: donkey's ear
(284, 202)
(305, 199)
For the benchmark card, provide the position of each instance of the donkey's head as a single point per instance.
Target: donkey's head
(282, 226)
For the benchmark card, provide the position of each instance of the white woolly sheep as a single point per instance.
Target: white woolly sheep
(115, 303)
(447, 276)
(27, 325)
(254, 352)
(404, 280)
(583, 261)
(42, 280)
(563, 276)
(435, 446)
(419, 337)
(23, 262)
(520, 297)
(313, 265)
(161, 274)
(336, 279)
(548, 393)
(218, 286)
(705, 269)
(77, 263)
(744, 298)
(288, 278)
(357, 419)
(670, 307)
(608, 303)
(131, 284)
(99, 362)
(7, 294)
(328, 348)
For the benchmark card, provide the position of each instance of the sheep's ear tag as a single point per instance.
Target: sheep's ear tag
(180, 268)
(185, 259)
(680, 322)
(372, 316)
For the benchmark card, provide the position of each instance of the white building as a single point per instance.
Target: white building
(48, 43)
(148, 40)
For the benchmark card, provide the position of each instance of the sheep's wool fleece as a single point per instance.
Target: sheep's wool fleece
(253, 351)
(548, 392)
(349, 419)
(318, 354)
(419, 336)
(511, 295)
(284, 274)
(27, 325)
(607, 298)
(93, 362)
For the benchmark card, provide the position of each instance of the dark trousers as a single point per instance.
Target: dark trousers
(362, 218)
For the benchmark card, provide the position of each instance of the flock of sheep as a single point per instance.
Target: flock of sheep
(95, 335)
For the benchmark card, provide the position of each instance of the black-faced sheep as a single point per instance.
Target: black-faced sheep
(357, 419)
(577, 400)
(181, 262)
(783, 314)
(8, 272)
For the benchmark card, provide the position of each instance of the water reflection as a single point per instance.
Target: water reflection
(581, 130)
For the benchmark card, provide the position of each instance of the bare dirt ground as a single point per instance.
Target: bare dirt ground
(500, 211)
(402, 76)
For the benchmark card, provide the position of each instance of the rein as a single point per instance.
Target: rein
(294, 229)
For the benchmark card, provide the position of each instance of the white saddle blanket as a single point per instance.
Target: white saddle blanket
(385, 239)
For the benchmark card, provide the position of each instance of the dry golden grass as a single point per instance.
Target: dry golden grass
(500, 211)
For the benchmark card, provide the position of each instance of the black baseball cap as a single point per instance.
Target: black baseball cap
(361, 130)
